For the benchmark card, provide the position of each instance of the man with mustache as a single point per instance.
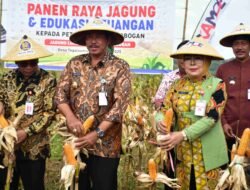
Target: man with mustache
(235, 73)
(99, 84)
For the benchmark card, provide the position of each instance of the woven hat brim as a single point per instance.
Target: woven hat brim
(12, 58)
(80, 36)
(16, 54)
(228, 40)
(197, 46)
(180, 55)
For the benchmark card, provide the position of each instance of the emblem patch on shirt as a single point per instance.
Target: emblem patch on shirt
(232, 80)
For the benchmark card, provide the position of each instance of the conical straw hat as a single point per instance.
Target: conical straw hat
(26, 49)
(99, 25)
(241, 31)
(197, 46)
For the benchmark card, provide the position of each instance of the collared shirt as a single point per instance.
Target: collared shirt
(39, 89)
(165, 84)
(237, 79)
(79, 87)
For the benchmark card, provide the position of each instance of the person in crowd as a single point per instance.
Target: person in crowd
(29, 89)
(168, 80)
(235, 73)
(99, 84)
(197, 99)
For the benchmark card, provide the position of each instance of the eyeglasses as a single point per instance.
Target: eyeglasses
(24, 64)
(194, 58)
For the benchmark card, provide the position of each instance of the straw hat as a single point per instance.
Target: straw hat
(197, 46)
(241, 31)
(26, 49)
(96, 24)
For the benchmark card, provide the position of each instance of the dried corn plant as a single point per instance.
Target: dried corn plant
(234, 177)
(8, 137)
(143, 88)
(138, 128)
(72, 161)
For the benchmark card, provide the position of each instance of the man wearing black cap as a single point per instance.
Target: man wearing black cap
(235, 73)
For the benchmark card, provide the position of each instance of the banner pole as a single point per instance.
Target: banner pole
(185, 21)
(201, 17)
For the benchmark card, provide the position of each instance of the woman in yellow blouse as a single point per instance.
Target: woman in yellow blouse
(198, 99)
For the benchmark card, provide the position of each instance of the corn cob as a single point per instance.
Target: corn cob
(69, 154)
(3, 122)
(152, 169)
(139, 120)
(168, 118)
(88, 123)
(244, 142)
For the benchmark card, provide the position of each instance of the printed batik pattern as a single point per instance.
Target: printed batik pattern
(40, 90)
(79, 87)
(182, 97)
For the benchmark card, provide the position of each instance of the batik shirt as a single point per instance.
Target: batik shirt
(79, 87)
(38, 89)
(165, 84)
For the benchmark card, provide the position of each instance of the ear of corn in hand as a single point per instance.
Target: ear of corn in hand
(168, 118)
(244, 142)
(3, 122)
(69, 154)
(88, 123)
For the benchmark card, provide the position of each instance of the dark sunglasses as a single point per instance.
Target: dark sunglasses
(27, 63)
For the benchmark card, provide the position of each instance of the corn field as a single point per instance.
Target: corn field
(136, 150)
(138, 128)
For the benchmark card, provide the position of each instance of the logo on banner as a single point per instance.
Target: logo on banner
(208, 22)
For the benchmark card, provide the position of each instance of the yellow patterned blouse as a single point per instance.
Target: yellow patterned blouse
(182, 97)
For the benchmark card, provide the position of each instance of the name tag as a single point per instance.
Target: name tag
(200, 108)
(29, 108)
(248, 94)
(182, 92)
(103, 99)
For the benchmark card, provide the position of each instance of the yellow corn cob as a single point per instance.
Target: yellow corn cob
(3, 121)
(139, 120)
(69, 154)
(152, 169)
(88, 123)
(168, 118)
(244, 142)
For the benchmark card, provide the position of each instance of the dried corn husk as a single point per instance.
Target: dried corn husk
(154, 177)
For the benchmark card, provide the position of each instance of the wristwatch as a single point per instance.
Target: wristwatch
(100, 133)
